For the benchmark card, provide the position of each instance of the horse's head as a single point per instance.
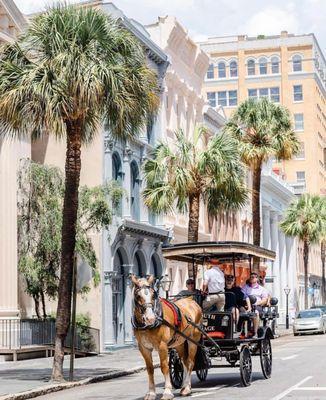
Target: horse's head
(144, 298)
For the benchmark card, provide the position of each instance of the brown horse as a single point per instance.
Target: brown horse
(155, 335)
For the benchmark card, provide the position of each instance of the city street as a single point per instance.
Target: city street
(298, 373)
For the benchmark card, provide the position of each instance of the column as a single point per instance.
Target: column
(126, 206)
(144, 212)
(107, 327)
(8, 229)
(292, 273)
(275, 247)
(127, 270)
(282, 271)
(266, 227)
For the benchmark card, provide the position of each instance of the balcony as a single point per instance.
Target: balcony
(298, 187)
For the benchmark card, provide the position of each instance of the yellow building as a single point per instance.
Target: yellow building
(288, 69)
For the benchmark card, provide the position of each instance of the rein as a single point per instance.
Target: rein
(157, 310)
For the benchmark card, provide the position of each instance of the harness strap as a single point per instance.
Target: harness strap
(175, 310)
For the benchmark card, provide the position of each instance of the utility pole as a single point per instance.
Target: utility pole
(73, 319)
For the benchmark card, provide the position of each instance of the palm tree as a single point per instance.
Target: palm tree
(263, 130)
(182, 176)
(306, 219)
(72, 70)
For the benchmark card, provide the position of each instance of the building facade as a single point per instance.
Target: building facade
(133, 243)
(288, 69)
(182, 108)
(12, 22)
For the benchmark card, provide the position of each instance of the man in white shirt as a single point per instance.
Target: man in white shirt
(214, 283)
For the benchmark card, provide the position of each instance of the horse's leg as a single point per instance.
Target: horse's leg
(189, 365)
(147, 355)
(164, 361)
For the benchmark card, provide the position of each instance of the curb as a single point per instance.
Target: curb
(41, 391)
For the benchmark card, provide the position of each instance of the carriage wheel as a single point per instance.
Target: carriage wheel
(202, 374)
(266, 357)
(176, 369)
(245, 366)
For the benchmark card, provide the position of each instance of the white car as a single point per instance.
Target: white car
(309, 321)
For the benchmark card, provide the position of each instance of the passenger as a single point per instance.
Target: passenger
(237, 301)
(190, 284)
(213, 286)
(261, 294)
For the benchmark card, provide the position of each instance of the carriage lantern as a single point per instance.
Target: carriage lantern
(287, 291)
(166, 285)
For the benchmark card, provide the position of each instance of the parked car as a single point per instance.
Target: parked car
(323, 308)
(309, 321)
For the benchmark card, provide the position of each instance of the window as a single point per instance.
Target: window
(275, 94)
(301, 176)
(298, 122)
(296, 63)
(252, 94)
(233, 98)
(263, 66)
(229, 98)
(263, 92)
(297, 93)
(269, 93)
(221, 98)
(233, 69)
(134, 191)
(211, 99)
(251, 67)
(275, 65)
(221, 70)
(301, 153)
(117, 176)
(210, 72)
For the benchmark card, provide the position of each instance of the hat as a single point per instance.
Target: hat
(229, 277)
(189, 281)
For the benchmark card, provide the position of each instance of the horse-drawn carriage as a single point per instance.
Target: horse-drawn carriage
(197, 340)
(220, 339)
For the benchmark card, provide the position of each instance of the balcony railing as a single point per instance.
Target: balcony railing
(22, 333)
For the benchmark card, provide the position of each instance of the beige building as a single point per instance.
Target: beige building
(291, 70)
(11, 23)
(288, 69)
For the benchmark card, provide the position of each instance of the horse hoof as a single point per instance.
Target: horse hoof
(167, 396)
(150, 396)
(185, 391)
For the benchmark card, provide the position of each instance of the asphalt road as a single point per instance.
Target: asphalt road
(299, 365)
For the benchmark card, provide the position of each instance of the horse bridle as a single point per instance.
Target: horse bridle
(143, 307)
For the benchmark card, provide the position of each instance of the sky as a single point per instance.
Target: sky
(207, 18)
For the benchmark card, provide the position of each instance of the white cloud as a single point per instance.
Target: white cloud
(272, 21)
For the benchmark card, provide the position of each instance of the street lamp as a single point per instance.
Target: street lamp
(287, 291)
(314, 287)
(166, 285)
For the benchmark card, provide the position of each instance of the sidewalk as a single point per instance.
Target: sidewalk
(22, 379)
(26, 375)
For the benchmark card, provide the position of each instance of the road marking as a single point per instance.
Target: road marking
(289, 357)
(311, 388)
(290, 389)
(209, 390)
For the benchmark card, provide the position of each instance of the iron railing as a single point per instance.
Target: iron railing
(20, 333)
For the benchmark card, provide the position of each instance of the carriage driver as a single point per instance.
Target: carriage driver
(213, 286)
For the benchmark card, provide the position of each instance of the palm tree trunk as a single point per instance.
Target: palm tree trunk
(305, 266)
(323, 283)
(69, 222)
(255, 204)
(193, 224)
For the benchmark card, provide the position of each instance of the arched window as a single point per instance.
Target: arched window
(233, 69)
(297, 63)
(221, 69)
(116, 167)
(263, 66)
(275, 65)
(140, 264)
(210, 72)
(251, 67)
(134, 191)
(117, 176)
